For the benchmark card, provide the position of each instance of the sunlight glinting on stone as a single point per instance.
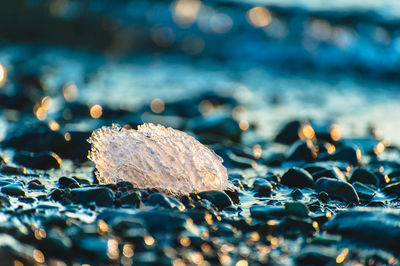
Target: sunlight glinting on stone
(70, 92)
(259, 17)
(96, 111)
(185, 12)
(157, 106)
(2, 74)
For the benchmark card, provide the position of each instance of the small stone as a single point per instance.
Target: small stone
(67, 182)
(12, 170)
(298, 209)
(392, 189)
(364, 192)
(132, 198)
(262, 188)
(102, 196)
(350, 154)
(297, 177)
(162, 200)
(363, 176)
(333, 172)
(337, 189)
(267, 212)
(13, 190)
(302, 151)
(289, 133)
(219, 198)
(42, 160)
(35, 185)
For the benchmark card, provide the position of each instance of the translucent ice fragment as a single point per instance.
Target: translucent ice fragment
(156, 157)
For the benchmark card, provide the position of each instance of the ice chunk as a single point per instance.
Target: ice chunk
(156, 157)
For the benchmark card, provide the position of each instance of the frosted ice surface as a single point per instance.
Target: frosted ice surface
(156, 157)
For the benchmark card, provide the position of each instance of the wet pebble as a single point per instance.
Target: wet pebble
(42, 160)
(297, 177)
(162, 200)
(337, 189)
(13, 190)
(219, 198)
(101, 196)
(364, 176)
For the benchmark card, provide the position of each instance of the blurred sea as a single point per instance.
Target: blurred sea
(282, 59)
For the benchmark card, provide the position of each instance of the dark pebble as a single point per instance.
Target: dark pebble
(302, 151)
(297, 177)
(162, 200)
(13, 190)
(219, 198)
(337, 189)
(333, 172)
(350, 154)
(12, 170)
(289, 133)
(364, 192)
(378, 227)
(35, 185)
(392, 189)
(67, 182)
(267, 212)
(364, 176)
(131, 198)
(102, 196)
(262, 187)
(42, 160)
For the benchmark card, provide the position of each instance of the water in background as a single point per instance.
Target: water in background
(281, 59)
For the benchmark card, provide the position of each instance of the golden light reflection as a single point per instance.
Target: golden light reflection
(306, 132)
(2, 74)
(67, 136)
(40, 112)
(330, 148)
(336, 132)
(40, 234)
(244, 125)
(96, 111)
(47, 102)
(257, 151)
(70, 92)
(185, 12)
(342, 256)
(38, 256)
(315, 224)
(178, 262)
(128, 250)
(224, 259)
(379, 148)
(112, 249)
(18, 263)
(149, 240)
(102, 227)
(185, 241)
(157, 106)
(254, 236)
(53, 125)
(259, 16)
(242, 263)
(272, 223)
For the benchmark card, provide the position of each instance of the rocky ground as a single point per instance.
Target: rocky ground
(307, 196)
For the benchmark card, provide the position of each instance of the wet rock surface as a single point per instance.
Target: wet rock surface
(301, 197)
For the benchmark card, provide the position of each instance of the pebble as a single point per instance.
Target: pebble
(377, 227)
(219, 198)
(363, 176)
(13, 190)
(302, 151)
(297, 177)
(337, 189)
(162, 200)
(267, 212)
(298, 209)
(101, 196)
(42, 160)
(262, 187)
